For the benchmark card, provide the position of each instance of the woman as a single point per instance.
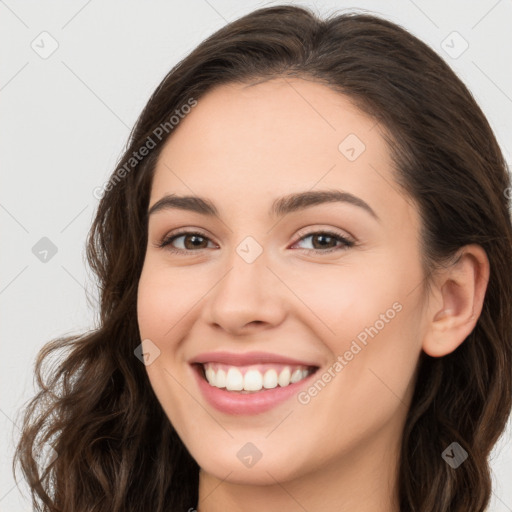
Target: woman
(304, 261)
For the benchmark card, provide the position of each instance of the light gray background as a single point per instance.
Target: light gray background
(65, 120)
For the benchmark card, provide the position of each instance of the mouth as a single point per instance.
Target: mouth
(248, 383)
(255, 378)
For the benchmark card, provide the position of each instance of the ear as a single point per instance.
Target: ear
(455, 301)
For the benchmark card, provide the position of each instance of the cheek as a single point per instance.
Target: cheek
(163, 299)
(346, 301)
(162, 305)
(377, 352)
(370, 317)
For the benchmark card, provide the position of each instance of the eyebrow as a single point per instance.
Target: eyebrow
(280, 207)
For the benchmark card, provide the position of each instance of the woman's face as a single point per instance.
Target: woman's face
(270, 277)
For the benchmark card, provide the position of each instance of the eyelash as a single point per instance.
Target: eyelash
(166, 241)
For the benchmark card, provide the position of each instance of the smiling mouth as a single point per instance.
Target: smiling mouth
(253, 378)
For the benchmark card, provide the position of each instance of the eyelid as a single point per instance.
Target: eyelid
(301, 233)
(180, 232)
(319, 228)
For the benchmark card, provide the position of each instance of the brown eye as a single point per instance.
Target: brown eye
(194, 241)
(324, 241)
(327, 241)
(191, 241)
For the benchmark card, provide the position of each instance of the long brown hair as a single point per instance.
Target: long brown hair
(117, 450)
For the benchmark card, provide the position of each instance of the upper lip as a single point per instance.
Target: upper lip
(247, 358)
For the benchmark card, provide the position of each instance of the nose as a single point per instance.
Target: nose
(249, 297)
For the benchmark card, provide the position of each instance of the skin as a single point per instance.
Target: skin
(242, 147)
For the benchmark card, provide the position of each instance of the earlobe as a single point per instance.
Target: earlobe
(457, 301)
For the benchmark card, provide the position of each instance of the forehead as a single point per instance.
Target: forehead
(261, 141)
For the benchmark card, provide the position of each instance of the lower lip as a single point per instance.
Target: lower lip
(235, 403)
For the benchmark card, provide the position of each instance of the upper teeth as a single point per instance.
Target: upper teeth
(234, 378)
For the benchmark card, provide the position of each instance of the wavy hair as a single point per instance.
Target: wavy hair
(117, 450)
